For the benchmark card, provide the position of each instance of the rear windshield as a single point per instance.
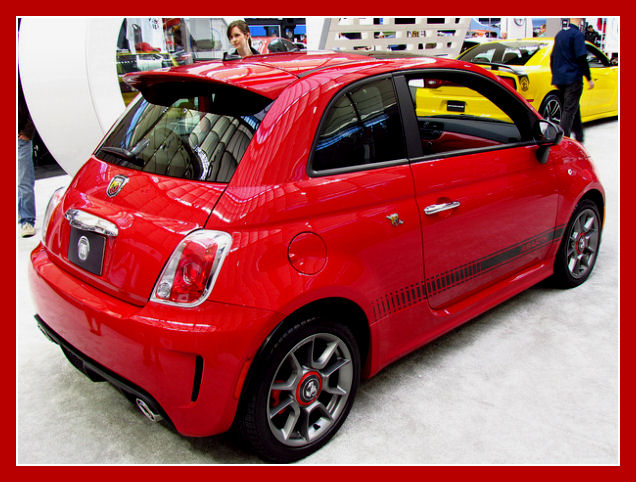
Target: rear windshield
(509, 53)
(180, 140)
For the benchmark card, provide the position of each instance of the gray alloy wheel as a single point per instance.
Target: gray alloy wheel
(579, 247)
(583, 243)
(300, 389)
(551, 108)
(310, 389)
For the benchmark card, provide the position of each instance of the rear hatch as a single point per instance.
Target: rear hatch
(155, 178)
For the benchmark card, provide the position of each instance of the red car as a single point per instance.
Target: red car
(254, 237)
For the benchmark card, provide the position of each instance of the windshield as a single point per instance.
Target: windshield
(509, 53)
(182, 140)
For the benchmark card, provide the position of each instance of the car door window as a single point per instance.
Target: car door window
(456, 113)
(360, 129)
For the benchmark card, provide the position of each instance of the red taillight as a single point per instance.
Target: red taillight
(510, 81)
(191, 271)
(53, 203)
(435, 83)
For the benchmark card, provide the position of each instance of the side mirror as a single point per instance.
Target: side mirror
(614, 61)
(548, 134)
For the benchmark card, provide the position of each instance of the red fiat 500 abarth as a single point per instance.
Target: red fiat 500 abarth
(255, 236)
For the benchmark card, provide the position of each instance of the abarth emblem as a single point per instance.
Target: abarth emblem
(395, 219)
(311, 389)
(83, 248)
(116, 185)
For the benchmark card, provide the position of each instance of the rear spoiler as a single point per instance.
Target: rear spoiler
(164, 88)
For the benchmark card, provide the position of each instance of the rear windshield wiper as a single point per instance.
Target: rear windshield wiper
(126, 155)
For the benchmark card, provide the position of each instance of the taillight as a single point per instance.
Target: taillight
(436, 83)
(191, 271)
(50, 207)
(510, 81)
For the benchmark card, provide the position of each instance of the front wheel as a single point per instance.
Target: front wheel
(300, 391)
(579, 248)
(551, 108)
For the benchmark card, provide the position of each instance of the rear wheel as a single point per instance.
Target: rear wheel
(551, 108)
(579, 248)
(301, 391)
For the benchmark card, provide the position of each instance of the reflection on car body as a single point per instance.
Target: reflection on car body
(255, 236)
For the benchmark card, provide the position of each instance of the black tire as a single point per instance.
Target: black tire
(579, 246)
(315, 393)
(552, 108)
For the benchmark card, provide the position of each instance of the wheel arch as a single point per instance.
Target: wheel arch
(597, 198)
(344, 310)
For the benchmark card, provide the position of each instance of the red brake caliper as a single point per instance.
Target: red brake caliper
(275, 394)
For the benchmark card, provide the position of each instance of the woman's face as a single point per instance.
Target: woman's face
(238, 39)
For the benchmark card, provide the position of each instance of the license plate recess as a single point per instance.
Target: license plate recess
(86, 250)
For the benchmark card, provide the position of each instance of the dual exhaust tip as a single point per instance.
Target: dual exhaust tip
(148, 411)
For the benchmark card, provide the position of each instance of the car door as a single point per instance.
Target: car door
(487, 206)
(603, 97)
(363, 206)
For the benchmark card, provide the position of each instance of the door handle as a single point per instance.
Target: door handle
(438, 208)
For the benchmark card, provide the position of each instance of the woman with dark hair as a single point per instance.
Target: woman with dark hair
(238, 33)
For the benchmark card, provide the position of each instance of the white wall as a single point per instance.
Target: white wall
(517, 27)
(69, 78)
(421, 37)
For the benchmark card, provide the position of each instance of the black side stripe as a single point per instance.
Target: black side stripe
(416, 293)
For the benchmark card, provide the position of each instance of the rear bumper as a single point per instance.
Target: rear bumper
(97, 372)
(185, 363)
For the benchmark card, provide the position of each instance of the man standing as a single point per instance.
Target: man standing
(569, 65)
(26, 174)
(592, 36)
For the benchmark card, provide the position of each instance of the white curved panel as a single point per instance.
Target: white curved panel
(69, 78)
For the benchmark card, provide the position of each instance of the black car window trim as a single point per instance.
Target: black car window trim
(602, 58)
(409, 121)
(345, 91)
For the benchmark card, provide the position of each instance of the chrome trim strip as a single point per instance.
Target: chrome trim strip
(89, 222)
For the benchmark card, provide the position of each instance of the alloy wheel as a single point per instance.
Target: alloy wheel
(310, 389)
(552, 109)
(583, 243)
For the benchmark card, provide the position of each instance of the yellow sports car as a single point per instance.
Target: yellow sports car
(525, 63)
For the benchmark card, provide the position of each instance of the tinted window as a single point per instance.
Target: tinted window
(509, 53)
(458, 112)
(361, 127)
(180, 140)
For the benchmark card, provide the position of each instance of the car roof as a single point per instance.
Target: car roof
(269, 74)
(522, 40)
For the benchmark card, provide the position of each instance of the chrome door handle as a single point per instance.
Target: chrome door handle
(438, 208)
(89, 222)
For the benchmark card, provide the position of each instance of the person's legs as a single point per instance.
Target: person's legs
(571, 95)
(26, 183)
(577, 126)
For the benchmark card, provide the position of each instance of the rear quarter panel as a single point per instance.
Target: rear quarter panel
(271, 200)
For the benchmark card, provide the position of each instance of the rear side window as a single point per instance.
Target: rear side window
(509, 53)
(361, 128)
(181, 140)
